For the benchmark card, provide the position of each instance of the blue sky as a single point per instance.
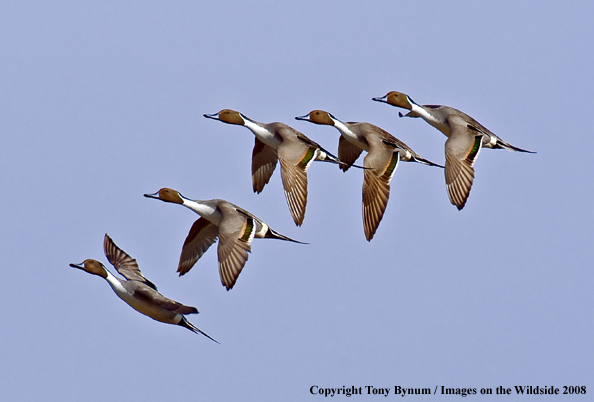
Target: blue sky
(102, 103)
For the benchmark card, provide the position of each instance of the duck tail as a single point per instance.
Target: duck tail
(510, 147)
(273, 234)
(187, 324)
(334, 159)
(426, 162)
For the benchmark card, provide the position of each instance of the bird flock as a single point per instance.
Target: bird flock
(235, 228)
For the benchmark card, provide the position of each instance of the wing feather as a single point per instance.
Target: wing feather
(202, 235)
(381, 165)
(347, 152)
(123, 263)
(294, 178)
(236, 231)
(264, 160)
(461, 151)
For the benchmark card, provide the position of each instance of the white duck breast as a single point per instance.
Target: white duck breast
(351, 136)
(264, 134)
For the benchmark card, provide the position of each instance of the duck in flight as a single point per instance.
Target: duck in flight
(384, 151)
(137, 291)
(280, 142)
(233, 226)
(466, 137)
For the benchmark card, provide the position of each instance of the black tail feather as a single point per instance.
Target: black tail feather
(187, 324)
(273, 234)
(510, 147)
(427, 162)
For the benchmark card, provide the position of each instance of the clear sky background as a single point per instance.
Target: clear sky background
(101, 103)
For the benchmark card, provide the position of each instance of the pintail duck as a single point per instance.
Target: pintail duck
(466, 137)
(140, 293)
(278, 141)
(233, 226)
(384, 151)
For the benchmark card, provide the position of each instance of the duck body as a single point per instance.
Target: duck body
(374, 139)
(446, 118)
(126, 290)
(384, 151)
(466, 137)
(137, 291)
(280, 142)
(233, 226)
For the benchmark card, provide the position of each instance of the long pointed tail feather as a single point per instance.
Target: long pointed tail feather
(273, 234)
(415, 158)
(187, 324)
(337, 161)
(427, 162)
(334, 159)
(510, 147)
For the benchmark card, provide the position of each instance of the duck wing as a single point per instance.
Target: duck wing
(347, 152)
(380, 163)
(123, 263)
(236, 232)
(295, 157)
(461, 150)
(264, 160)
(202, 235)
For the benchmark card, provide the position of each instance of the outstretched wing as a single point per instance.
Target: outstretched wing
(461, 150)
(294, 179)
(202, 235)
(263, 163)
(347, 152)
(381, 163)
(125, 265)
(236, 231)
(296, 153)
